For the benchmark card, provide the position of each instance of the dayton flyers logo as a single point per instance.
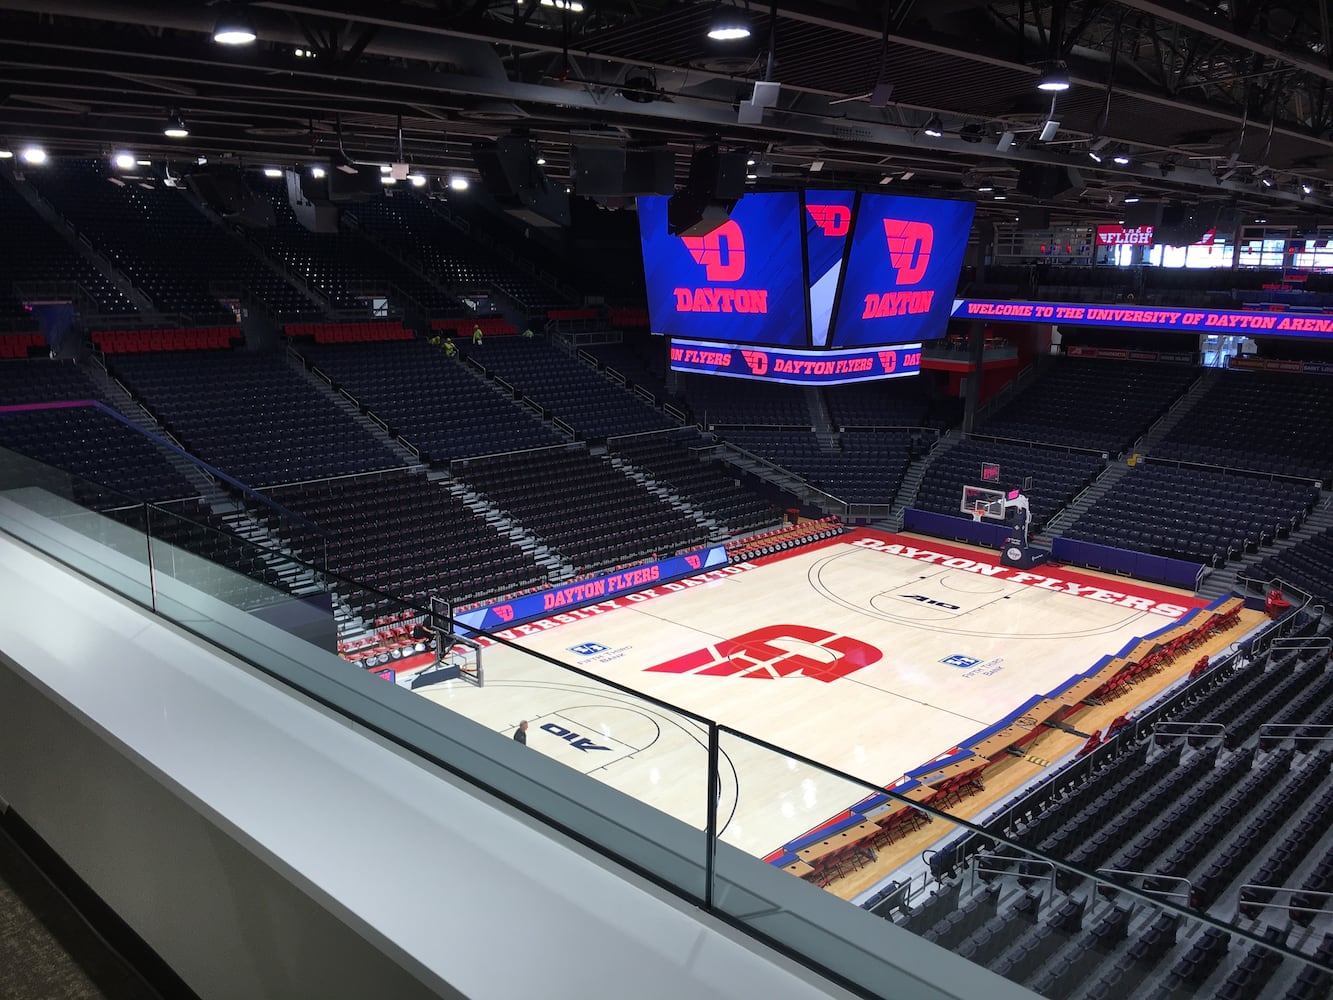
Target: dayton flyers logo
(505, 612)
(889, 359)
(910, 244)
(832, 220)
(758, 654)
(721, 252)
(756, 361)
(694, 562)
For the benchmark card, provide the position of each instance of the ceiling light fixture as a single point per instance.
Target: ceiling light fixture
(418, 180)
(986, 189)
(1306, 189)
(1001, 197)
(816, 166)
(317, 172)
(35, 155)
(272, 172)
(6, 154)
(933, 127)
(458, 183)
(123, 161)
(234, 27)
(727, 24)
(388, 180)
(1054, 80)
(1122, 160)
(541, 161)
(175, 127)
(1131, 201)
(1094, 156)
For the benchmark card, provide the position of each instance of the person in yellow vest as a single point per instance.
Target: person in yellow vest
(528, 334)
(476, 336)
(449, 349)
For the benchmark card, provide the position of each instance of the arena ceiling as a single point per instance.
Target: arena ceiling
(1227, 100)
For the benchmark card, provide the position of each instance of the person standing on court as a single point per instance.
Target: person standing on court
(521, 733)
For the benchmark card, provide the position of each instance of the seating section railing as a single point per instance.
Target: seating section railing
(1260, 421)
(252, 415)
(440, 404)
(589, 512)
(1097, 405)
(674, 460)
(1201, 515)
(594, 406)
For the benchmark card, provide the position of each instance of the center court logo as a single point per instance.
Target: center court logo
(757, 654)
(910, 244)
(722, 254)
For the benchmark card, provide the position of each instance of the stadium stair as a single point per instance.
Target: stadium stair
(1102, 485)
(771, 472)
(352, 410)
(821, 420)
(557, 569)
(716, 530)
(318, 304)
(82, 246)
(1320, 520)
(912, 479)
(115, 394)
(1180, 409)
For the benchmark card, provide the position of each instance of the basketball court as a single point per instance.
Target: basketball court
(873, 653)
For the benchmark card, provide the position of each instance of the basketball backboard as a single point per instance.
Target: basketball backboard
(988, 502)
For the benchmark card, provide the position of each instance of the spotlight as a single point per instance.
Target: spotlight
(175, 127)
(418, 180)
(986, 189)
(727, 24)
(6, 154)
(933, 127)
(144, 163)
(385, 168)
(123, 161)
(1122, 160)
(1094, 156)
(541, 161)
(202, 160)
(386, 179)
(317, 172)
(1266, 181)
(457, 183)
(35, 155)
(272, 172)
(1001, 197)
(1054, 80)
(1306, 189)
(1131, 201)
(234, 27)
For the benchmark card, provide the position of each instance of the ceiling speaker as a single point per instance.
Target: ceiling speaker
(1047, 183)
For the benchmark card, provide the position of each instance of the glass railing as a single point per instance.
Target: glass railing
(694, 804)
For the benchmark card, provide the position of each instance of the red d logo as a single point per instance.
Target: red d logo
(909, 248)
(832, 220)
(756, 361)
(721, 252)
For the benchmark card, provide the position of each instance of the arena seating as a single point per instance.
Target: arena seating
(252, 415)
(404, 535)
(1201, 515)
(417, 232)
(343, 267)
(172, 339)
(438, 403)
(642, 360)
(672, 459)
(350, 333)
(589, 512)
(590, 403)
(21, 345)
(95, 446)
(163, 243)
(896, 403)
(865, 467)
(33, 254)
(1058, 476)
(465, 326)
(1307, 565)
(1171, 807)
(1262, 421)
(729, 402)
(43, 381)
(1097, 405)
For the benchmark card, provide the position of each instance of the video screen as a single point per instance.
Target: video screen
(828, 223)
(902, 270)
(741, 283)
